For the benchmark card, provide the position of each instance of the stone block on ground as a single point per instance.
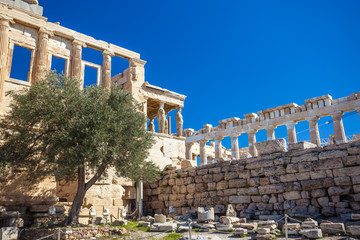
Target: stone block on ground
(332, 228)
(301, 146)
(160, 218)
(240, 232)
(271, 146)
(311, 233)
(229, 220)
(263, 230)
(163, 227)
(183, 229)
(309, 223)
(206, 214)
(264, 236)
(9, 233)
(224, 227)
(353, 230)
(250, 226)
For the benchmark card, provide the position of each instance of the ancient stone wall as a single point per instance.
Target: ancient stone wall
(320, 180)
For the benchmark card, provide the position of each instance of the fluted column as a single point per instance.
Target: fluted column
(252, 141)
(76, 59)
(314, 130)
(291, 131)
(235, 146)
(188, 151)
(4, 46)
(179, 122)
(161, 118)
(218, 149)
(106, 68)
(203, 156)
(42, 63)
(270, 132)
(339, 131)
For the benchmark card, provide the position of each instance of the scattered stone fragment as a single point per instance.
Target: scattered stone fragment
(230, 212)
(160, 218)
(250, 226)
(206, 214)
(240, 232)
(311, 233)
(223, 227)
(263, 230)
(163, 227)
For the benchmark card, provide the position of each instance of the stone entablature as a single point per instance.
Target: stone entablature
(320, 180)
(288, 115)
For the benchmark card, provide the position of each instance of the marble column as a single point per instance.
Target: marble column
(188, 151)
(252, 141)
(203, 156)
(4, 46)
(42, 52)
(179, 122)
(76, 59)
(339, 131)
(235, 147)
(291, 131)
(314, 130)
(106, 68)
(270, 132)
(161, 118)
(218, 149)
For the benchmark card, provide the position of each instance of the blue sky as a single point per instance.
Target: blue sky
(231, 57)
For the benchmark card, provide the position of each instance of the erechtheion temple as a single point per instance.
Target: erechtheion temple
(250, 170)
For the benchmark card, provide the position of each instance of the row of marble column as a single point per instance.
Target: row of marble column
(164, 123)
(42, 51)
(339, 135)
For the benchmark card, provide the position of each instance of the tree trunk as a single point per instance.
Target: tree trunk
(73, 218)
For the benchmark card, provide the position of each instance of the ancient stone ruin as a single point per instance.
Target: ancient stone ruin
(262, 181)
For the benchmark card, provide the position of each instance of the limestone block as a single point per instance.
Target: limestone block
(328, 164)
(354, 230)
(191, 188)
(260, 164)
(163, 227)
(323, 201)
(333, 154)
(339, 190)
(317, 183)
(292, 226)
(348, 171)
(288, 178)
(310, 157)
(293, 195)
(263, 230)
(270, 189)
(222, 185)
(240, 232)
(343, 181)
(309, 223)
(311, 233)
(229, 220)
(160, 218)
(205, 214)
(219, 209)
(237, 183)
(239, 199)
(271, 146)
(9, 233)
(250, 226)
(301, 146)
(224, 227)
(355, 217)
(230, 212)
(39, 208)
(352, 161)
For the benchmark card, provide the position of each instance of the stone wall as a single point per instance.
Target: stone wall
(320, 180)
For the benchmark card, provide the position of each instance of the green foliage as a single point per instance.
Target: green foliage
(178, 175)
(247, 185)
(285, 165)
(172, 236)
(165, 185)
(54, 128)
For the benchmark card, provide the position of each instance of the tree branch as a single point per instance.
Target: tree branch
(97, 175)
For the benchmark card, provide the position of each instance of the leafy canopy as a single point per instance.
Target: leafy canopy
(54, 128)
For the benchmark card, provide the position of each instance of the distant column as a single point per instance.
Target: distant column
(76, 59)
(4, 46)
(203, 157)
(106, 68)
(339, 131)
(291, 131)
(42, 63)
(252, 141)
(179, 122)
(161, 118)
(314, 130)
(151, 126)
(218, 149)
(235, 146)
(188, 152)
(270, 132)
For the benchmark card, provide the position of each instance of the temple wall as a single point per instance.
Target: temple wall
(323, 180)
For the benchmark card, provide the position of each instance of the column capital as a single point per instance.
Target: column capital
(219, 138)
(77, 42)
(337, 114)
(108, 52)
(312, 118)
(137, 62)
(46, 33)
(203, 141)
(6, 20)
(270, 127)
(289, 123)
(252, 131)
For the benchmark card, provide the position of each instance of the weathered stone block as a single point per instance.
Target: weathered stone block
(288, 178)
(311, 233)
(310, 157)
(318, 193)
(160, 218)
(333, 154)
(9, 233)
(236, 183)
(293, 195)
(334, 191)
(343, 181)
(271, 146)
(222, 185)
(301, 146)
(315, 184)
(205, 214)
(270, 189)
(318, 174)
(351, 161)
(354, 230)
(239, 199)
(323, 201)
(230, 175)
(163, 227)
(260, 164)
(305, 167)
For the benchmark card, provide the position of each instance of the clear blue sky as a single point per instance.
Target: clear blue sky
(231, 57)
